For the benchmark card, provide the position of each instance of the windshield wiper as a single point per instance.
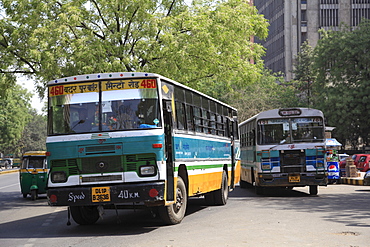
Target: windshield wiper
(79, 122)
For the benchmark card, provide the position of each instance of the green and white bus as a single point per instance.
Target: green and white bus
(130, 139)
(284, 148)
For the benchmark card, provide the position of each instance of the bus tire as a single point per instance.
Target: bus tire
(174, 213)
(221, 195)
(24, 195)
(313, 190)
(85, 215)
(33, 195)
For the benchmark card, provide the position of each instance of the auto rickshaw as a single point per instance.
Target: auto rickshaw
(33, 175)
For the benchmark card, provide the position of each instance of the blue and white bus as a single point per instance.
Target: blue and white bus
(137, 139)
(283, 148)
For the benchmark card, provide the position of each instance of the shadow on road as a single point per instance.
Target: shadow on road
(351, 209)
(54, 222)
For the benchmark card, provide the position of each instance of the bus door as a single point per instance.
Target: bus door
(168, 126)
(233, 132)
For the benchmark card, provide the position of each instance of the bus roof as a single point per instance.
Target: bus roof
(35, 153)
(276, 113)
(125, 75)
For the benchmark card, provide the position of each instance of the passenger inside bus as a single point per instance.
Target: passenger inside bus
(126, 118)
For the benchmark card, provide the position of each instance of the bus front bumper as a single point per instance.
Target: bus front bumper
(292, 180)
(106, 194)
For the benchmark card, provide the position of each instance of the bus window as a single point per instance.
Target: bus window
(180, 115)
(205, 117)
(197, 119)
(190, 117)
(272, 131)
(307, 129)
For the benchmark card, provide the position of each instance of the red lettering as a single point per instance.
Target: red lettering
(56, 90)
(149, 83)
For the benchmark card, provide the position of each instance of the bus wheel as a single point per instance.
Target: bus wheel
(313, 190)
(24, 195)
(33, 195)
(85, 215)
(173, 214)
(222, 194)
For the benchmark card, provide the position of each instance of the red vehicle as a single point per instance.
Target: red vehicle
(363, 163)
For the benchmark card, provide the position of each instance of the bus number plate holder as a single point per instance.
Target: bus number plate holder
(100, 194)
(294, 178)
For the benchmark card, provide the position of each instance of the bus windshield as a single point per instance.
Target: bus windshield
(119, 105)
(275, 131)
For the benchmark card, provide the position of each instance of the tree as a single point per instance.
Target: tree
(34, 134)
(267, 93)
(304, 75)
(342, 65)
(14, 106)
(205, 45)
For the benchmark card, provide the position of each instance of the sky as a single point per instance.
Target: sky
(30, 86)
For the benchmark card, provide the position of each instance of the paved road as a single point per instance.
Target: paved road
(338, 216)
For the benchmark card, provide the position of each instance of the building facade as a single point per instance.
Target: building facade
(293, 22)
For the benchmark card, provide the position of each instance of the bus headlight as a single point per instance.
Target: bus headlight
(148, 170)
(58, 177)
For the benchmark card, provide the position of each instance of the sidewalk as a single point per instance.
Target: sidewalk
(359, 180)
(352, 181)
(4, 171)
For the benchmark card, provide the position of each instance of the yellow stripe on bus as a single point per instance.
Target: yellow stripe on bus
(203, 183)
(35, 153)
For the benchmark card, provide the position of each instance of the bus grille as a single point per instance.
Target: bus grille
(102, 164)
(70, 165)
(100, 149)
(292, 161)
(132, 162)
(101, 178)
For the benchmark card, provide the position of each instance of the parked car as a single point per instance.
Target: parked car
(367, 178)
(6, 163)
(363, 163)
(355, 157)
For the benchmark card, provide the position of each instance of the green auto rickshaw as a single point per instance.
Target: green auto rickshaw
(33, 174)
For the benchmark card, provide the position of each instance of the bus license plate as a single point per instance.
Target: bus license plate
(100, 194)
(294, 178)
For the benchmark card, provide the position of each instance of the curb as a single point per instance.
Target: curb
(352, 181)
(8, 171)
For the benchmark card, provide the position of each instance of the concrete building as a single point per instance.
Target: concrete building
(293, 22)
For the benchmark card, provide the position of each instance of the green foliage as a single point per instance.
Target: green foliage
(206, 45)
(342, 86)
(34, 134)
(267, 93)
(14, 105)
(305, 75)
